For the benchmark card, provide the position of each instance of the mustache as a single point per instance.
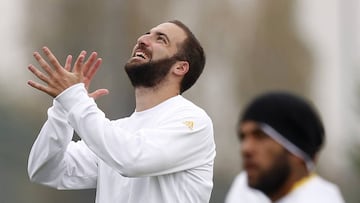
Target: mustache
(249, 164)
(143, 48)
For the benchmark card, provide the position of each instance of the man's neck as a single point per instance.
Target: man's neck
(147, 98)
(290, 184)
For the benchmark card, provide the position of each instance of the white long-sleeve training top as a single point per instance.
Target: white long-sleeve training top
(161, 155)
(312, 190)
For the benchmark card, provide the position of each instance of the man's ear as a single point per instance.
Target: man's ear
(296, 161)
(181, 67)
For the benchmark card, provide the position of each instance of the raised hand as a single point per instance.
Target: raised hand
(58, 78)
(91, 66)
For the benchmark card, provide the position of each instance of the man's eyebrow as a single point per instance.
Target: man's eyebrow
(162, 34)
(255, 131)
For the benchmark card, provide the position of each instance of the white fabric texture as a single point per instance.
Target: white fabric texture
(314, 190)
(163, 154)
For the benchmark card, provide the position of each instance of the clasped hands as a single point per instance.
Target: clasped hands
(58, 78)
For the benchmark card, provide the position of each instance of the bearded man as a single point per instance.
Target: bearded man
(163, 152)
(280, 136)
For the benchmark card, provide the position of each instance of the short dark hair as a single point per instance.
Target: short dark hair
(192, 52)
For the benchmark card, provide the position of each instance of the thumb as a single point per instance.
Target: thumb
(99, 93)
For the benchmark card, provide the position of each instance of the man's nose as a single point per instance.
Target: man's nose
(247, 146)
(144, 40)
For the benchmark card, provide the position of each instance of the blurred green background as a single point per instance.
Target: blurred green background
(307, 47)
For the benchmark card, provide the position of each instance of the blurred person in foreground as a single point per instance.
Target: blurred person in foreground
(163, 152)
(280, 137)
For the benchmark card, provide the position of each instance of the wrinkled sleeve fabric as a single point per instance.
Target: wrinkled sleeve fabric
(56, 161)
(164, 149)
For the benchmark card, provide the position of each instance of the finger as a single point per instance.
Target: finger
(89, 62)
(79, 62)
(99, 93)
(68, 63)
(40, 87)
(91, 73)
(38, 73)
(44, 65)
(52, 59)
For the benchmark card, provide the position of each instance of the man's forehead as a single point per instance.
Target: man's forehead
(248, 125)
(171, 30)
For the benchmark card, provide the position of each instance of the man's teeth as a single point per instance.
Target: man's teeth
(140, 54)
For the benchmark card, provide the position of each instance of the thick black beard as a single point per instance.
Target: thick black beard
(149, 74)
(275, 178)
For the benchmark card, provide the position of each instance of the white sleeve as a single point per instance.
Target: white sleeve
(58, 162)
(147, 152)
